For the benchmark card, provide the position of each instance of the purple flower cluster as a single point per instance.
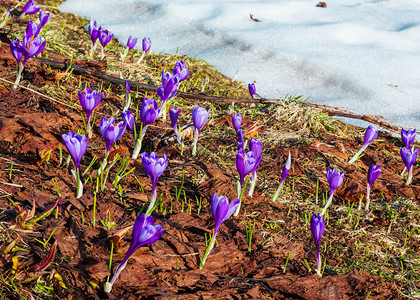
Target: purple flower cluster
(31, 44)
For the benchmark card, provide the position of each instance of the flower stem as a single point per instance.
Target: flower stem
(367, 197)
(410, 176)
(240, 197)
(356, 156)
(89, 127)
(276, 194)
(20, 70)
(139, 141)
(328, 203)
(152, 202)
(102, 52)
(253, 183)
(79, 185)
(194, 150)
(141, 58)
(108, 285)
(318, 261)
(208, 250)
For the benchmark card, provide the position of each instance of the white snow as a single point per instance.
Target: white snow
(359, 55)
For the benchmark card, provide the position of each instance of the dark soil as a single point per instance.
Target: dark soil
(168, 269)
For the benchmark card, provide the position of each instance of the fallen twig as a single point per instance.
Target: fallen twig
(330, 110)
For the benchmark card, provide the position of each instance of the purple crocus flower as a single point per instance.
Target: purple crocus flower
(335, 179)
(146, 43)
(31, 46)
(105, 37)
(199, 117)
(221, 210)
(148, 111)
(94, 32)
(129, 119)
(236, 121)
(154, 167)
(173, 114)
(373, 173)
(30, 8)
(245, 163)
(169, 86)
(181, 70)
(252, 90)
(76, 145)
(145, 232)
(284, 173)
(89, 100)
(131, 43)
(44, 17)
(317, 229)
(148, 114)
(16, 49)
(111, 132)
(409, 157)
(256, 147)
(370, 135)
(240, 139)
(408, 136)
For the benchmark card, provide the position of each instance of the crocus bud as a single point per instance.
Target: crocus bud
(221, 209)
(317, 229)
(181, 69)
(89, 100)
(334, 178)
(154, 166)
(173, 114)
(105, 37)
(131, 42)
(409, 157)
(286, 168)
(169, 86)
(236, 121)
(44, 17)
(128, 118)
(16, 49)
(370, 135)
(94, 31)
(110, 132)
(240, 139)
(30, 8)
(256, 147)
(252, 89)
(373, 173)
(76, 144)
(148, 111)
(200, 116)
(408, 136)
(245, 163)
(147, 43)
(145, 232)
